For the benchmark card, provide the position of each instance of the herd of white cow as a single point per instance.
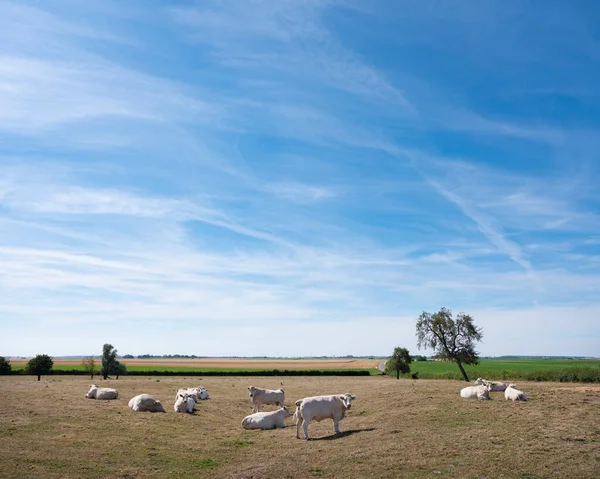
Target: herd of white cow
(483, 388)
(315, 408)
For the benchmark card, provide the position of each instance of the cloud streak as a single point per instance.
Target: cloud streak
(221, 170)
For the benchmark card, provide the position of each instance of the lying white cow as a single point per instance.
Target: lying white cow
(266, 420)
(199, 394)
(495, 385)
(185, 403)
(187, 391)
(145, 402)
(202, 393)
(322, 407)
(266, 396)
(514, 394)
(101, 393)
(480, 392)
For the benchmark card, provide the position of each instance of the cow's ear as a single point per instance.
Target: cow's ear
(353, 397)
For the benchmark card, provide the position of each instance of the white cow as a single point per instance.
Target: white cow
(496, 385)
(480, 392)
(185, 403)
(266, 420)
(145, 402)
(101, 393)
(199, 393)
(203, 393)
(322, 407)
(266, 396)
(514, 394)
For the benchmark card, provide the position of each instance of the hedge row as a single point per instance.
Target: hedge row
(574, 374)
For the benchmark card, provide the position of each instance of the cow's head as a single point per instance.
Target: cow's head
(347, 400)
(287, 412)
(251, 391)
(479, 381)
(512, 385)
(157, 407)
(91, 394)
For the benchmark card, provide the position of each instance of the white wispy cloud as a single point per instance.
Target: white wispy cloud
(229, 170)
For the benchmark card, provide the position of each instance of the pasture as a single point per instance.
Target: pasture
(396, 428)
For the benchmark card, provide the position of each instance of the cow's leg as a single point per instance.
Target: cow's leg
(299, 422)
(305, 427)
(336, 424)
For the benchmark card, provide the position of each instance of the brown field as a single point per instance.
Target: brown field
(235, 363)
(395, 429)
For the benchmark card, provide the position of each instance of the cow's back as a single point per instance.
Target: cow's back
(320, 407)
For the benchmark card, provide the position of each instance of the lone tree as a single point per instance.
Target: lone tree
(452, 340)
(41, 364)
(399, 362)
(109, 357)
(5, 367)
(89, 366)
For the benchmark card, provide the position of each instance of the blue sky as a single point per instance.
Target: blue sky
(297, 177)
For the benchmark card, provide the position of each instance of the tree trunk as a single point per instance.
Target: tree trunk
(397, 374)
(462, 370)
(92, 376)
(39, 376)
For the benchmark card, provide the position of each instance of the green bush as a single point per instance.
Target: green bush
(5, 367)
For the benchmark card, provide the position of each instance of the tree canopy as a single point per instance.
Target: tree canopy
(41, 364)
(109, 357)
(451, 339)
(399, 362)
(119, 369)
(5, 367)
(89, 366)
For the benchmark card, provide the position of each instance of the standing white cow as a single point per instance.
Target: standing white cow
(322, 407)
(514, 394)
(480, 392)
(266, 420)
(145, 402)
(101, 393)
(495, 385)
(266, 396)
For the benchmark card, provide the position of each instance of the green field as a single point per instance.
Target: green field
(532, 369)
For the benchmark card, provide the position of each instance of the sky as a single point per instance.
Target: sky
(298, 177)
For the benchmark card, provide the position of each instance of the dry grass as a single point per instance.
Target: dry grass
(395, 429)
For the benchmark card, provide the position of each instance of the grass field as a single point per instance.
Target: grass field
(500, 368)
(396, 428)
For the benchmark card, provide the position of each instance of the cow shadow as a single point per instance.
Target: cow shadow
(342, 434)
